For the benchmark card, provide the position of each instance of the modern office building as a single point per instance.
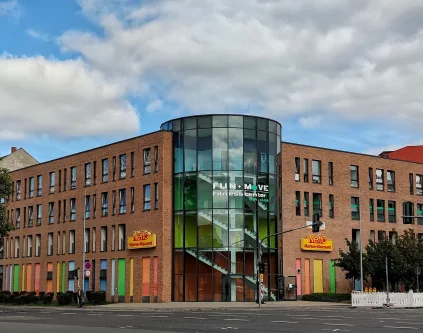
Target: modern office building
(178, 214)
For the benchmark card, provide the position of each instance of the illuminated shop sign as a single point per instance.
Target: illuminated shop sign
(142, 240)
(250, 190)
(316, 243)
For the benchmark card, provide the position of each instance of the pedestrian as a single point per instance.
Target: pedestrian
(80, 297)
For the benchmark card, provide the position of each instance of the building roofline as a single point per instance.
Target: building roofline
(89, 150)
(350, 152)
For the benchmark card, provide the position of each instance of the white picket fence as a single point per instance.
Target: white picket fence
(378, 300)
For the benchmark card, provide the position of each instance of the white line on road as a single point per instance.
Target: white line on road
(201, 318)
(124, 315)
(401, 327)
(284, 321)
(333, 324)
(235, 319)
(68, 313)
(158, 316)
(407, 322)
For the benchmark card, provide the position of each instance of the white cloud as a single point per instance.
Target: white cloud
(42, 96)
(38, 35)
(355, 60)
(155, 105)
(9, 8)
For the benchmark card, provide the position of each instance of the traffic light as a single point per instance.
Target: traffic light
(315, 227)
(75, 273)
(408, 210)
(262, 267)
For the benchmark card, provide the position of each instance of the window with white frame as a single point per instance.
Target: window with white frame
(122, 236)
(29, 246)
(51, 212)
(379, 180)
(419, 189)
(31, 187)
(73, 178)
(18, 190)
(37, 245)
(104, 204)
(39, 185)
(87, 173)
(18, 218)
(105, 170)
(30, 216)
(147, 197)
(72, 241)
(16, 247)
(103, 245)
(52, 177)
(122, 201)
(73, 209)
(122, 166)
(39, 214)
(147, 160)
(50, 244)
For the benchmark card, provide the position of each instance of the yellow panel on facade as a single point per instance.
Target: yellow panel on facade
(318, 275)
(131, 277)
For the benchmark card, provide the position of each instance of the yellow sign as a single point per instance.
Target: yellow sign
(141, 240)
(316, 243)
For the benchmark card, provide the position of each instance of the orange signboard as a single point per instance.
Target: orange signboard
(316, 243)
(142, 240)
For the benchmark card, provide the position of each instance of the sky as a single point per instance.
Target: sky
(77, 74)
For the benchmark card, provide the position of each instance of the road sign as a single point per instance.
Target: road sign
(87, 273)
(417, 270)
(87, 265)
(309, 225)
(261, 290)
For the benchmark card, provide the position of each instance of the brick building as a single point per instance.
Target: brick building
(178, 214)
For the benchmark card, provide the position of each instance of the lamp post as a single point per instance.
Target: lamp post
(83, 246)
(361, 251)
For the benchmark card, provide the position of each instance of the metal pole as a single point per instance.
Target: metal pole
(387, 282)
(417, 273)
(83, 246)
(258, 274)
(361, 252)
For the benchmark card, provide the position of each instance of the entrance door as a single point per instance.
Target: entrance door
(290, 288)
(318, 275)
(226, 288)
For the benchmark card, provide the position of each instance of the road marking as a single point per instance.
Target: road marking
(45, 312)
(124, 315)
(334, 324)
(401, 327)
(228, 328)
(284, 321)
(334, 330)
(94, 314)
(235, 319)
(67, 313)
(158, 316)
(407, 322)
(201, 318)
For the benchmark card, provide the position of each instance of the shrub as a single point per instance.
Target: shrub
(47, 298)
(64, 298)
(327, 297)
(98, 297)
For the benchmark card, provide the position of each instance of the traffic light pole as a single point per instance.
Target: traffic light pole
(259, 255)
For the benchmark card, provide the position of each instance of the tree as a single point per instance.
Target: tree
(6, 189)
(349, 261)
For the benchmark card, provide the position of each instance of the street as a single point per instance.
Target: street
(15, 320)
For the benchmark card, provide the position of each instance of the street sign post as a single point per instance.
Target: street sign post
(418, 271)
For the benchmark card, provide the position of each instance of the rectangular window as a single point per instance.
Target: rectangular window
(58, 243)
(31, 187)
(381, 235)
(71, 241)
(59, 211)
(331, 206)
(30, 216)
(18, 190)
(305, 167)
(298, 203)
(317, 204)
(52, 181)
(16, 247)
(420, 213)
(297, 169)
(419, 190)
(29, 246)
(103, 245)
(113, 202)
(39, 185)
(370, 178)
(64, 210)
(87, 207)
(390, 175)
(132, 164)
(411, 180)
(306, 206)
(122, 237)
(104, 204)
(50, 244)
(122, 166)
(18, 218)
(132, 199)
(147, 197)
(316, 171)
(113, 237)
(355, 208)
(147, 160)
(114, 168)
(372, 236)
(94, 206)
(25, 187)
(105, 170)
(372, 209)
(408, 210)
(64, 242)
(65, 179)
(392, 215)
(73, 209)
(94, 239)
(380, 180)
(73, 178)
(354, 176)
(156, 158)
(156, 196)
(330, 173)
(95, 172)
(37, 245)
(51, 212)
(122, 201)
(87, 173)
(87, 240)
(39, 214)
(60, 180)
(380, 210)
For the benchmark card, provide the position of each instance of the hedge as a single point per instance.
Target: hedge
(327, 297)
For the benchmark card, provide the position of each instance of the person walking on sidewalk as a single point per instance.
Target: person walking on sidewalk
(80, 297)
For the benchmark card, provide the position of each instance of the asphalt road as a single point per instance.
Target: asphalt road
(15, 320)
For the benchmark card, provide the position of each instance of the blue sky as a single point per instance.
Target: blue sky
(76, 74)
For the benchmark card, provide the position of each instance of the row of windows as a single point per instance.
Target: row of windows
(90, 174)
(380, 210)
(381, 235)
(119, 206)
(65, 242)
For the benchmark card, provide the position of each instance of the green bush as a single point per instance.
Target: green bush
(327, 297)
(98, 297)
(64, 298)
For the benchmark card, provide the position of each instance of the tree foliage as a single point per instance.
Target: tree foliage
(6, 189)
(349, 261)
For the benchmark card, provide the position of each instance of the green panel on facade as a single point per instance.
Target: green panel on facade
(16, 278)
(121, 277)
(63, 277)
(332, 277)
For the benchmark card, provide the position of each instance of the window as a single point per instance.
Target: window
(156, 158)
(29, 246)
(18, 190)
(392, 237)
(71, 241)
(305, 167)
(18, 218)
(113, 238)
(121, 244)
(50, 244)
(372, 209)
(355, 236)
(73, 209)
(25, 187)
(420, 213)
(94, 206)
(87, 173)
(419, 190)
(64, 210)
(39, 185)
(331, 206)
(317, 204)
(147, 160)
(65, 179)
(298, 203)
(16, 247)
(379, 180)
(306, 206)
(132, 164)
(95, 171)
(390, 175)
(156, 196)
(51, 212)
(39, 214)
(87, 240)
(411, 180)
(58, 243)
(392, 216)
(105, 170)
(87, 207)
(114, 168)
(380, 210)
(408, 210)
(122, 201)
(60, 180)
(113, 202)
(64, 242)
(330, 173)
(103, 245)
(94, 239)
(297, 169)
(147, 197)
(381, 235)
(59, 211)
(73, 177)
(372, 236)
(316, 170)
(30, 216)
(31, 187)
(370, 178)
(104, 204)
(354, 176)
(355, 208)
(122, 163)
(132, 200)
(52, 183)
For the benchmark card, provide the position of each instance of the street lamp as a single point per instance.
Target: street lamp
(361, 251)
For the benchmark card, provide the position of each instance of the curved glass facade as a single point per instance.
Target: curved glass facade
(225, 200)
